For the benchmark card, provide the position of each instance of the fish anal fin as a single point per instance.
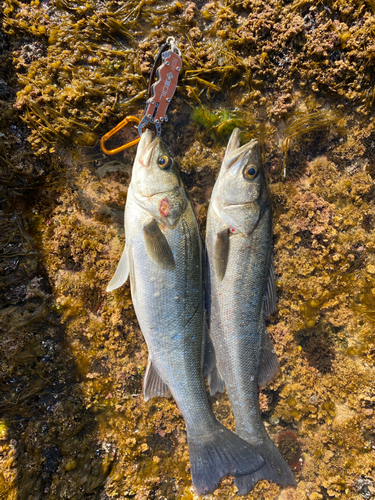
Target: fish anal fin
(154, 384)
(269, 364)
(209, 360)
(158, 247)
(215, 381)
(121, 273)
(221, 252)
(271, 296)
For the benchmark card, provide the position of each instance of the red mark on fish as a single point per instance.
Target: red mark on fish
(164, 208)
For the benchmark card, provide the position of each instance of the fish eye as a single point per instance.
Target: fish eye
(164, 162)
(250, 172)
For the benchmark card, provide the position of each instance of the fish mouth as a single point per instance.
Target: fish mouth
(157, 193)
(145, 159)
(236, 205)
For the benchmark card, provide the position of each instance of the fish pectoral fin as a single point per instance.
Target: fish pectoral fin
(154, 384)
(158, 247)
(271, 296)
(269, 364)
(221, 252)
(121, 273)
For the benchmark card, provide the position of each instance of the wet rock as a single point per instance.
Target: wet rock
(51, 459)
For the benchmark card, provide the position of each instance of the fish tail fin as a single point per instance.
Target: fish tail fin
(275, 469)
(218, 454)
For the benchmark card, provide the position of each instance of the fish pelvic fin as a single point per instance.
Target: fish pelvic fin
(218, 454)
(157, 246)
(275, 468)
(154, 384)
(121, 273)
(269, 364)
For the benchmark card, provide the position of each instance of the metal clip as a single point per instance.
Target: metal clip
(164, 88)
(113, 132)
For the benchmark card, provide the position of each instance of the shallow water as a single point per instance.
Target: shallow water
(299, 76)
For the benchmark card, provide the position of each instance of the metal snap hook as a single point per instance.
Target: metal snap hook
(112, 132)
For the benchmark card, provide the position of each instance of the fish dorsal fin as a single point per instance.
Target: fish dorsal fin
(221, 252)
(157, 246)
(270, 297)
(269, 363)
(121, 273)
(154, 384)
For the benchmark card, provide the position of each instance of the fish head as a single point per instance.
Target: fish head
(156, 184)
(240, 191)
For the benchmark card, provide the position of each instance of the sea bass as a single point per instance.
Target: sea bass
(162, 256)
(240, 294)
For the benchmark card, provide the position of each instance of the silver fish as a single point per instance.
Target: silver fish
(163, 257)
(241, 292)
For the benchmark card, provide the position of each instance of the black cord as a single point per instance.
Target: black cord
(154, 68)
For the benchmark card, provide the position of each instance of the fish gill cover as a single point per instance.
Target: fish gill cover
(299, 76)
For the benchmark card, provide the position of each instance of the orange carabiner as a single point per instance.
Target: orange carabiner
(112, 132)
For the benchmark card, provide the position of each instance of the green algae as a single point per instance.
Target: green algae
(219, 124)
